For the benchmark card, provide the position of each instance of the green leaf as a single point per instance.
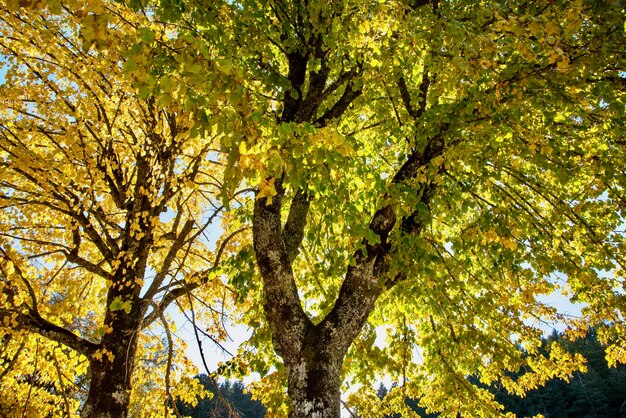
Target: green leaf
(146, 35)
(116, 305)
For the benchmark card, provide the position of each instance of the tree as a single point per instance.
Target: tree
(427, 169)
(424, 169)
(106, 194)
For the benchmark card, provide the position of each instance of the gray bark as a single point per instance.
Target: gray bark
(313, 354)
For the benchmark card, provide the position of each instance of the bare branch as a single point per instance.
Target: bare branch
(169, 259)
(231, 413)
(187, 287)
(168, 367)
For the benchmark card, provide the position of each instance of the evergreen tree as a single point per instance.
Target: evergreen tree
(233, 392)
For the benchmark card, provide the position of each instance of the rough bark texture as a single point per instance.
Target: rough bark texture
(110, 383)
(314, 379)
(313, 354)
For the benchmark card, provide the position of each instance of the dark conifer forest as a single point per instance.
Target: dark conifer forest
(233, 392)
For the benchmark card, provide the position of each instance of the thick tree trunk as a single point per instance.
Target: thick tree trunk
(313, 353)
(314, 388)
(109, 390)
(111, 374)
(314, 377)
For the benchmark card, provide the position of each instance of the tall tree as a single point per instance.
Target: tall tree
(106, 194)
(422, 168)
(430, 168)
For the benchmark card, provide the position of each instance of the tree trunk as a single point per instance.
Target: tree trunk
(111, 377)
(313, 353)
(314, 390)
(314, 381)
(109, 391)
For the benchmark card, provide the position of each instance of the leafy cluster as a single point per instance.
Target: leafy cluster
(596, 392)
(398, 183)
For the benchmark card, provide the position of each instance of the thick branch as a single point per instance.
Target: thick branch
(417, 159)
(33, 322)
(293, 232)
(414, 112)
(282, 304)
(350, 93)
(363, 282)
(416, 4)
(108, 252)
(73, 257)
(317, 82)
(293, 97)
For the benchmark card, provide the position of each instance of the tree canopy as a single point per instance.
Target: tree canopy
(108, 197)
(423, 173)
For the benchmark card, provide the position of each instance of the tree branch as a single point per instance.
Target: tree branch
(293, 96)
(362, 284)
(169, 259)
(414, 112)
(13, 361)
(317, 82)
(293, 232)
(282, 303)
(33, 322)
(186, 287)
(231, 413)
(73, 257)
(350, 93)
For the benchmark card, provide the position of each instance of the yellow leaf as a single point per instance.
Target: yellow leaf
(563, 64)
(267, 189)
(243, 149)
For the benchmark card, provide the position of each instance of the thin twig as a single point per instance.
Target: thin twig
(231, 412)
(30, 387)
(63, 391)
(13, 361)
(345, 405)
(168, 367)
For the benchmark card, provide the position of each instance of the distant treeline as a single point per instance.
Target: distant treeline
(232, 392)
(598, 393)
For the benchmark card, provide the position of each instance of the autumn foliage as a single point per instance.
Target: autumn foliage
(109, 196)
(401, 185)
